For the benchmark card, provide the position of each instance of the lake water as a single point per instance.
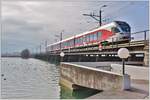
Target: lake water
(34, 79)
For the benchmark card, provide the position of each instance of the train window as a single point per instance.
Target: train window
(82, 39)
(91, 37)
(99, 35)
(87, 38)
(68, 43)
(65, 44)
(115, 30)
(124, 26)
(76, 41)
(72, 42)
(95, 36)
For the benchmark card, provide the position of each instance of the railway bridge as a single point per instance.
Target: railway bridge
(76, 75)
(139, 52)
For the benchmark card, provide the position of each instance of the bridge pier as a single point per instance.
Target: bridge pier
(146, 55)
(77, 75)
(69, 84)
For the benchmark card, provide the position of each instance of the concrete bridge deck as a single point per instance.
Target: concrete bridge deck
(109, 47)
(90, 53)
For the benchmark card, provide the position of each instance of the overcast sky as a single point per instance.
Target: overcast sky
(27, 24)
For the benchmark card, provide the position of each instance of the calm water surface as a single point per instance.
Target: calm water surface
(32, 78)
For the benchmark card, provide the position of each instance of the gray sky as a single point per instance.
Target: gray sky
(26, 24)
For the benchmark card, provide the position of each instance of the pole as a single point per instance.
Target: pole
(144, 37)
(36, 50)
(40, 49)
(97, 16)
(100, 18)
(123, 69)
(45, 46)
(60, 40)
(60, 36)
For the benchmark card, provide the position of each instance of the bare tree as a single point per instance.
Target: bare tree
(25, 53)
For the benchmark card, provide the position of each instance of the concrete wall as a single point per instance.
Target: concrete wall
(103, 64)
(135, 72)
(91, 77)
(93, 64)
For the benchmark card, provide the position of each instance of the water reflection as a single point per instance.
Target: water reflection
(81, 93)
(34, 79)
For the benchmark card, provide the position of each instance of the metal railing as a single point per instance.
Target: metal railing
(136, 36)
(142, 35)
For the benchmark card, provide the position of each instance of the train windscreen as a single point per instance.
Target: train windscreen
(124, 26)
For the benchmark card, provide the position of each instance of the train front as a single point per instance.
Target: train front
(125, 30)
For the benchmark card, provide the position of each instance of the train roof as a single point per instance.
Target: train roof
(62, 41)
(93, 30)
(54, 43)
(68, 38)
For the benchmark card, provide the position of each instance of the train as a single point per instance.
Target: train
(111, 32)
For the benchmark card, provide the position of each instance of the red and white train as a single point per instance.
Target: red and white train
(114, 31)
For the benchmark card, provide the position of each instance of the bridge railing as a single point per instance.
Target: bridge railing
(140, 35)
(136, 36)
